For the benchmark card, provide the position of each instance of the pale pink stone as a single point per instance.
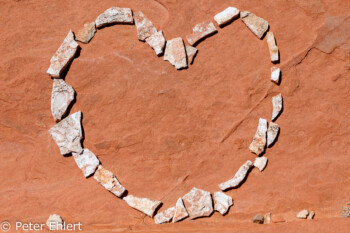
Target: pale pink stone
(226, 15)
(191, 53)
(201, 31)
(256, 24)
(238, 178)
(175, 53)
(272, 133)
(86, 33)
(144, 26)
(165, 216)
(271, 42)
(222, 202)
(157, 42)
(180, 211)
(145, 205)
(108, 180)
(114, 15)
(277, 105)
(87, 162)
(260, 163)
(259, 141)
(275, 74)
(61, 97)
(198, 203)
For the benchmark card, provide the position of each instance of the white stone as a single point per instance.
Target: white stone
(277, 105)
(54, 222)
(271, 43)
(272, 133)
(311, 215)
(61, 97)
(68, 134)
(144, 205)
(256, 24)
(303, 214)
(87, 162)
(198, 203)
(222, 202)
(191, 53)
(226, 16)
(144, 26)
(175, 53)
(200, 31)
(157, 42)
(63, 56)
(114, 15)
(259, 141)
(260, 163)
(275, 74)
(108, 180)
(180, 211)
(267, 218)
(165, 216)
(238, 178)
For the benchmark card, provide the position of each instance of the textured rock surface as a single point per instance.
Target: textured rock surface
(68, 134)
(277, 105)
(108, 180)
(165, 216)
(87, 162)
(180, 211)
(273, 49)
(226, 15)
(145, 205)
(260, 163)
(61, 97)
(144, 26)
(191, 53)
(63, 56)
(258, 219)
(201, 31)
(114, 15)
(198, 203)
(222, 202)
(54, 222)
(267, 218)
(275, 74)
(142, 135)
(238, 178)
(272, 133)
(86, 33)
(175, 53)
(303, 214)
(157, 42)
(259, 141)
(256, 24)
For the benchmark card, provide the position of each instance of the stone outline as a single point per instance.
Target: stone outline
(70, 60)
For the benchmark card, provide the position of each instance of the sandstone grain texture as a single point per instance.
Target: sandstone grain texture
(226, 15)
(165, 216)
(157, 42)
(145, 205)
(86, 33)
(272, 133)
(68, 134)
(87, 162)
(273, 49)
(222, 202)
(109, 181)
(259, 141)
(114, 15)
(175, 53)
(61, 97)
(260, 163)
(201, 31)
(198, 203)
(277, 105)
(238, 178)
(180, 211)
(63, 56)
(257, 25)
(144, 26)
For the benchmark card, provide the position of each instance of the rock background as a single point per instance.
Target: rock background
(160, 130)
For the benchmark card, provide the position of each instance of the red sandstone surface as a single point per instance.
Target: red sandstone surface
(161, 130)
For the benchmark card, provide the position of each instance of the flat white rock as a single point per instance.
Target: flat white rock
(145, 205)
(256, 24)
(157, 42)
(54, 222)
(222, 202)
(226, 15)
(191, 53)
(259, 141)
(238, 178)
(272, 133)
(275, 74)
(260, 163)
(144, 26)
(180, 211)
(271, 43)
(175, 53)
(165, 216)
(198, 203)
(114, 15)
(61, 97)
(63, 56)
(201, 31)
(303, 214)
(108, 180)
(68, 134)
(277, 105)
(87, 162)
